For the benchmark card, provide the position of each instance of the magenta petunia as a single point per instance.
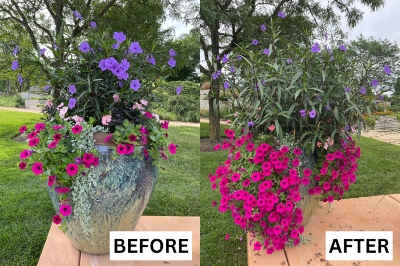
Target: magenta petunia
(52, 144)
(33, 142)
(22, 129)
(50, 180)
(63, 190)
(108, 138)
(172, 148)
(72, 169)
(22, 165)
(165, 125)
(40, 126)
(330, 157)
(130, 148)
(77, 129)
(25, 154)
(56, 128)
(37, 168)
(88, 158)
(57, 137)
(57, 219)
(121, 149)
(250, 147)
(32, 135)
(257, 246)
(65, 210)
(96, 161)
(307, 172)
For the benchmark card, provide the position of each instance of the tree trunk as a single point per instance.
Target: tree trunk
(213, 103)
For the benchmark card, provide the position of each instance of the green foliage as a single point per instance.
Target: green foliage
(274, 91)
(205, 130)
(189, 88)
(370, 122)
(185, 107)
(12, 101)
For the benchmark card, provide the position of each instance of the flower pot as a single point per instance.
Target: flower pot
(124, 186)
(308, 203)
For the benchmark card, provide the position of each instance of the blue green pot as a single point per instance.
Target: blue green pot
(124, 186)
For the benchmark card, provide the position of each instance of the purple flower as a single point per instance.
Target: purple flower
(93, 24)
(46, 88)
(179, 89)
(363, 90)
(14, 65)
(72, 89)
(16, 50)
(55, 46)
(238, 57)
(326, 35)
(172, 62)
(72, 103)
(135, 85)
(172, 52)
(347, 128)
(84, 47)
(78, 160)
(302, 113)
(387, 70)
(250, 124)
(317, 97)
(347, 89)
(328, 107)
(76, 13)
(315, 48)
(263, 28)
(342, 47)
(42, 51)
(312, 114)
(20, 80)
(225, 59)
(254, 42)
(135, 48)
(124, 64)
(119, 37)
(280, 14)
(374, 82)
(216, 74)
(151, 59)
(115, 46)
(232, 69)
(289, 61)
(266, 51)
(226, 85)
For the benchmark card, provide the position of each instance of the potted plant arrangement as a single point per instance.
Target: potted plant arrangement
(292, 138)
(100, 143)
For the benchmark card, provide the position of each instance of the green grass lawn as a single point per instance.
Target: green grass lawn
(378, 174)
(205, 130)
(25, 207)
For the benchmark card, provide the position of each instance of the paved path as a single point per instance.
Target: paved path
(171, 123)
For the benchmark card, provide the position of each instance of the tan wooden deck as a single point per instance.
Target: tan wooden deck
(378, 213)
(58, 251)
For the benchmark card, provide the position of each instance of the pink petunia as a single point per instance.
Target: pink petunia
(56, 128)
(63, 190)
(271, 127)
(33, 142)
(227, 237)
(52, 144)
(22, 129)
(297, 151)
(50, 180)
(88, 158)
(37, 168)
(250, 147)
(165, 125)
(65, 210)
(217, 147)
(108, 138)
(72, 169)
(121, 149)
(77, 129)
(57, 219)
(257, 246)
(307, 172)
(57, 137)
(132, 138)
(40, 126)
(96, 161)
(22, 165)
(25, 154)
(130, 148)
(172, 148)
(106, 119)
(32, 135)
(148, 114)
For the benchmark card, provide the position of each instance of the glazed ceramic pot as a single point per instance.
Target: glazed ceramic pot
(124, 186)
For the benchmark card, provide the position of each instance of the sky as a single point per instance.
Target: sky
(381, 24)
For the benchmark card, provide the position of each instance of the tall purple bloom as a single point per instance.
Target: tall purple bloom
(72, 103)
(363, 90)
(225, 59)
(179, 89)
(346, 89)
(76, 13)
(326, 35)
(315, 48)
(16, 50)
(266, 51)
(135, 85)
(119, 37)
(151, 59)
(238, 57)
(46, 88)
(254, 42)
(280, 14)
(115, 46)
(226, 85)
(374, 82)
(172, 62)
(342, 47)
(250, 124)
(93, 24)
(216, 74)
(232, 69)
(20, 80)
(387, 70)
(312, 114)
(135, 48)
(172, 52)
(289, 61)
(263, 28)
(72, 89)
(84, 47)
(42, 51)
(14, 65)
(302, 113)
